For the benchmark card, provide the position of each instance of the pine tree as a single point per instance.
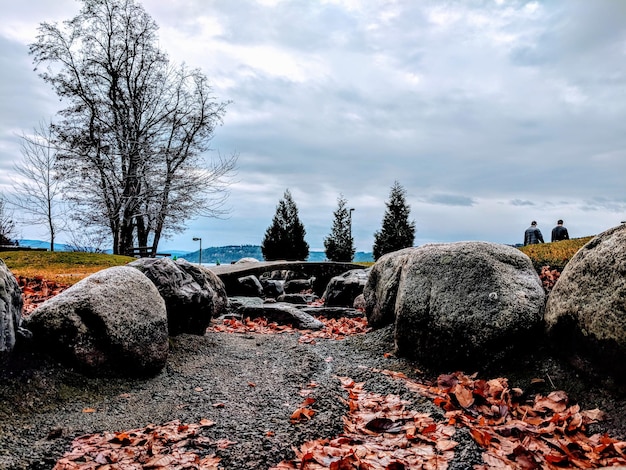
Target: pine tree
(284, 239)
(396, 232)
(340, 244)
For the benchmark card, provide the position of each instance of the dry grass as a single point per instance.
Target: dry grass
(556, 254)
(60, 267)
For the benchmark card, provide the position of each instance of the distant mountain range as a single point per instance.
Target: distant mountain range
(211, 255)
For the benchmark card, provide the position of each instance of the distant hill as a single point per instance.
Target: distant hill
(42, 244)
(232, 253)
(212, 255)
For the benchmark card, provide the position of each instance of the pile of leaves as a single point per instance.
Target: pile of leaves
(36, 290)
(170, 446)
(549, 277)
(379, 433)
(521, 432)
(513, 430)
(334, 328)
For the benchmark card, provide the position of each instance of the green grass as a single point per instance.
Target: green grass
(59, 266)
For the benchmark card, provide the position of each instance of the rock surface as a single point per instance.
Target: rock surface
(586, 310)
(193, 294)
(342, 290)
(112, 322)
(10, 310)
(272, 288)
(463, 304)
(248, 286)
(280, 312)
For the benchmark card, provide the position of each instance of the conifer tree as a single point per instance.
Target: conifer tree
(396, 232)
(340, 244)
(284, 239)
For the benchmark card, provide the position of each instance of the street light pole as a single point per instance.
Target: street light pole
(351, 210)
(198, 239)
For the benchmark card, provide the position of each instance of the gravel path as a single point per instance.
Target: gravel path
(248, 384)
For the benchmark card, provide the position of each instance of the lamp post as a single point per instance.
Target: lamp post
(197, 239)
(351, 210)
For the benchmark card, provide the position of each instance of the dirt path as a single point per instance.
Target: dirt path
(248, 385)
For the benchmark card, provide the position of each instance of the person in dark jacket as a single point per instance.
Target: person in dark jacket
(559, 232)
(532, 235)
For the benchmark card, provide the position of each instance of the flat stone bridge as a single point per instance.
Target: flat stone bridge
(321, 271)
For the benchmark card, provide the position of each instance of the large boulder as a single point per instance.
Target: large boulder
(10, 311)
(586, 309)
(112, 322)
(464, 304)
(343, 289)
(193, 294)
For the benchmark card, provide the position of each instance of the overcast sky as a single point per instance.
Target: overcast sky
(489, 113)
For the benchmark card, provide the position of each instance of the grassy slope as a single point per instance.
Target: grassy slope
(60, 267)
(556, 255)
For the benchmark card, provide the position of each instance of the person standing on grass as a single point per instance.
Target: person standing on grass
(559, 232)
(532, 235)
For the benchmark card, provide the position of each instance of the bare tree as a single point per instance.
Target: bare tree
(132, 136)
(37, 191)
(7, 225)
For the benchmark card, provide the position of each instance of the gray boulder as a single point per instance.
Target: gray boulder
(301, 299)
(112, 322)
(464, 304)
(193, 294)
(272, 288)
(359, 302)
(249, 286)
(10, 311)
(342, 290)
(281, 313)
(586, 309)
(332, 312)
(297, 286)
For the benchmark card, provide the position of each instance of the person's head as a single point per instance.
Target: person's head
(533, 223)
(559, 222)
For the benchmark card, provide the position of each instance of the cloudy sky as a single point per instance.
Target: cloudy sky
(490, 113)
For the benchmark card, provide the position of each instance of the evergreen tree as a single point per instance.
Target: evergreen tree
(340, 244)
(396, 232)
(284, 239)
